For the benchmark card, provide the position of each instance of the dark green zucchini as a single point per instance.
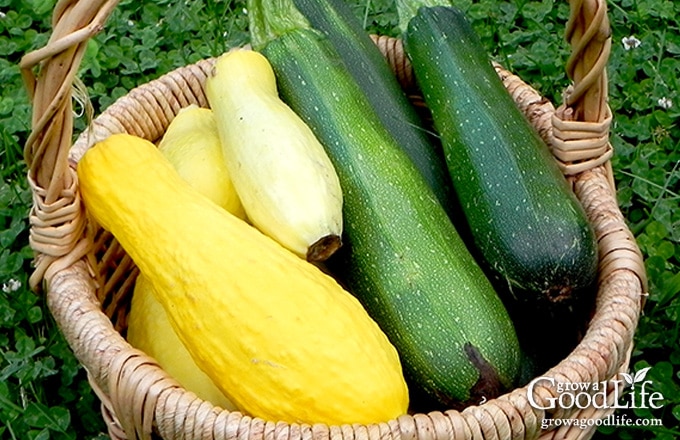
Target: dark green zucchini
(401, 256)
(527, 224)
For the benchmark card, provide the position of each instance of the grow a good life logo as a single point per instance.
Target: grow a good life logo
(604, 395)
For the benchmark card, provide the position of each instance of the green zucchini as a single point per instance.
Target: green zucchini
(370, 70)
(401, 256)
(529, 227)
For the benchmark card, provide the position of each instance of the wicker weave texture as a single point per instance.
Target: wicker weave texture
(88, 278)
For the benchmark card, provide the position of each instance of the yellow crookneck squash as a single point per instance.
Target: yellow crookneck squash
(281, 339)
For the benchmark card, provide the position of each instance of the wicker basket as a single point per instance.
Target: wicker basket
(88, 278)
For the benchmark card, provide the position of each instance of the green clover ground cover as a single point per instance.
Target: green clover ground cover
(44, 393)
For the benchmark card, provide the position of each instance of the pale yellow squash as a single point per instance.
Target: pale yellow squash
(279, 337)
(192, 145)
(286, 181)
(149, 330)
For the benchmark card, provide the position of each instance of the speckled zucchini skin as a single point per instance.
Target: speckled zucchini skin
(524, 219)
(372, 73)
(402, 256)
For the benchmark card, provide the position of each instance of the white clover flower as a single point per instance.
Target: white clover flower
(665, 103)
(2, 14)
(630, 42)
(11, 286)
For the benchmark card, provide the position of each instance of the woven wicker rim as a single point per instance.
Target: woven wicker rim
(138, 398)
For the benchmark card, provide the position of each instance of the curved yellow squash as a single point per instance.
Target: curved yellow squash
(279, 337)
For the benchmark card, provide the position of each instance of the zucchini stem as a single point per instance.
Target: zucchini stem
(270, 19)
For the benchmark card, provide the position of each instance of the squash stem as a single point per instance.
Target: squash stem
(270, 19)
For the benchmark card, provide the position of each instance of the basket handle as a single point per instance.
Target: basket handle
(55, 221)
(74, 23)
(581, 128)
(581, 124)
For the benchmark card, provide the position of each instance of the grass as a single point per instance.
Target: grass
(44, 393)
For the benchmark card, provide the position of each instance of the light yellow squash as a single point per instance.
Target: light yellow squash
(192, 145)
(149, 330)
(285, 179)
(279, 337)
